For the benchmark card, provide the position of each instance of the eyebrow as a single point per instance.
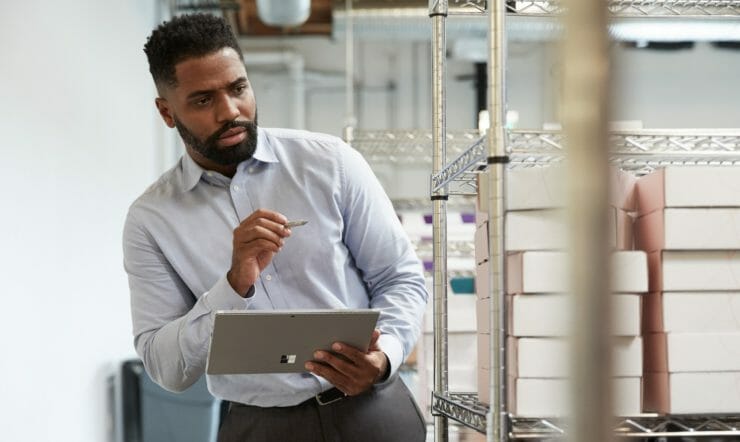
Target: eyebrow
(208, 91)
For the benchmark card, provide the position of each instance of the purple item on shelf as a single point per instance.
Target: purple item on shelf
(468, 218)
(428, 266)
(427, 219)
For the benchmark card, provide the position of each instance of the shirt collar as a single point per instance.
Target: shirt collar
(264, 153)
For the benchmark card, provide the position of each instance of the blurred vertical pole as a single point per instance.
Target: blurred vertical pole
(438, 13)
(497, 160)
(349, 75)
(586, 69)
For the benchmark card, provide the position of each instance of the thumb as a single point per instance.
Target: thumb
(374, 341)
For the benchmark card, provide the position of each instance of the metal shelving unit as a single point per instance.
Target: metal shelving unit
(637, 8)
(638, 151)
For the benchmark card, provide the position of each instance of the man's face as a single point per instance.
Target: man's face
(213, 109)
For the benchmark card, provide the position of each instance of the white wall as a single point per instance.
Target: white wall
(77, 135)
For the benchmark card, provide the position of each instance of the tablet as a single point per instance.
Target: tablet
(282, 341)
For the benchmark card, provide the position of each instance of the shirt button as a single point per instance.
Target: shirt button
(236, 188)
(268, 277)
(251, 170)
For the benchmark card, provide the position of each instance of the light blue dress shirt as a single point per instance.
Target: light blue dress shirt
(353, 253)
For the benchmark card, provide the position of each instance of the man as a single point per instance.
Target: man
(211, 235)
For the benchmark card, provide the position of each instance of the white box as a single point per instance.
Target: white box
(550, 315)
(547, 272)
(535, 230)
(695, 186)
(691, 312)
(549, 357)
(545, 188)
(692, 352)
(694, 270)
(546, 230)
(551, 397)
(689, 229)
(692, 393)
(535, 188)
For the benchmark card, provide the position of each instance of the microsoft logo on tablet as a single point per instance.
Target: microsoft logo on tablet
(287, 359)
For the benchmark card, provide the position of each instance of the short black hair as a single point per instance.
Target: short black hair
(183, 37)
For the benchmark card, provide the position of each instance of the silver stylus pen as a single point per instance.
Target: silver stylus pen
(296, 223)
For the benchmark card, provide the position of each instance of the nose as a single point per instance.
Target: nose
(227, 109)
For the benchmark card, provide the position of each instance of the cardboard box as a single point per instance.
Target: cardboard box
(547, 230)
(481, 199)
(692, 393)
(482, 315)
(545, 188)
(549, 357)
(482, 281)
(550, 315)
(484, 350)
(625, 230)
(551, 397)
(535, 188)
(481, 243)
(691, 312)
(694, 270)
(695, 186)
(547, 272)
(484, 385)
(623, 186)
(691, 352)
(688, 229)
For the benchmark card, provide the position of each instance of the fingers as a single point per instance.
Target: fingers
(349, 369)
(374, 341)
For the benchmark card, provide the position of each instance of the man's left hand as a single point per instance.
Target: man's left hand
(354, 373)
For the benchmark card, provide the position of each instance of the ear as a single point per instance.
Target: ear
(165, 112)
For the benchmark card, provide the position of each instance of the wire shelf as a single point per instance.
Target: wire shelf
(465, 409)
(638, 151)
(636, 8)
(408, 146)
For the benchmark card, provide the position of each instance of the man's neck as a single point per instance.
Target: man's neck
(207, 164)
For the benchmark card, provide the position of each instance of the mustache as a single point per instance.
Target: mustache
(249, 126)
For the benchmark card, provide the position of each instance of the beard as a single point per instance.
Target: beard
(226, 155)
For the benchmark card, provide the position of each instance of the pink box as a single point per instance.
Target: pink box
(481, 243)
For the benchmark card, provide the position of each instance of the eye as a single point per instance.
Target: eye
(240, 88)
(202, 101)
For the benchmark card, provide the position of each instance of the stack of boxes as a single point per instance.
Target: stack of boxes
(689, 223)
(537, 302)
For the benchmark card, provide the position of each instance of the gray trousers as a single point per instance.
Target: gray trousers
(387, 413)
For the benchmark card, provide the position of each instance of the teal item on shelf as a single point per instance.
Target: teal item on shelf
(463, 285)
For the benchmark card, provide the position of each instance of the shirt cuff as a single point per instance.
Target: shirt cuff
(223, 297)
(393, 349)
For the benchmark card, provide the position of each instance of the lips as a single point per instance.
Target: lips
(232, 136)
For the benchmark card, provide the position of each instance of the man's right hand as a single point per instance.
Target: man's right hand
(256, 240)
